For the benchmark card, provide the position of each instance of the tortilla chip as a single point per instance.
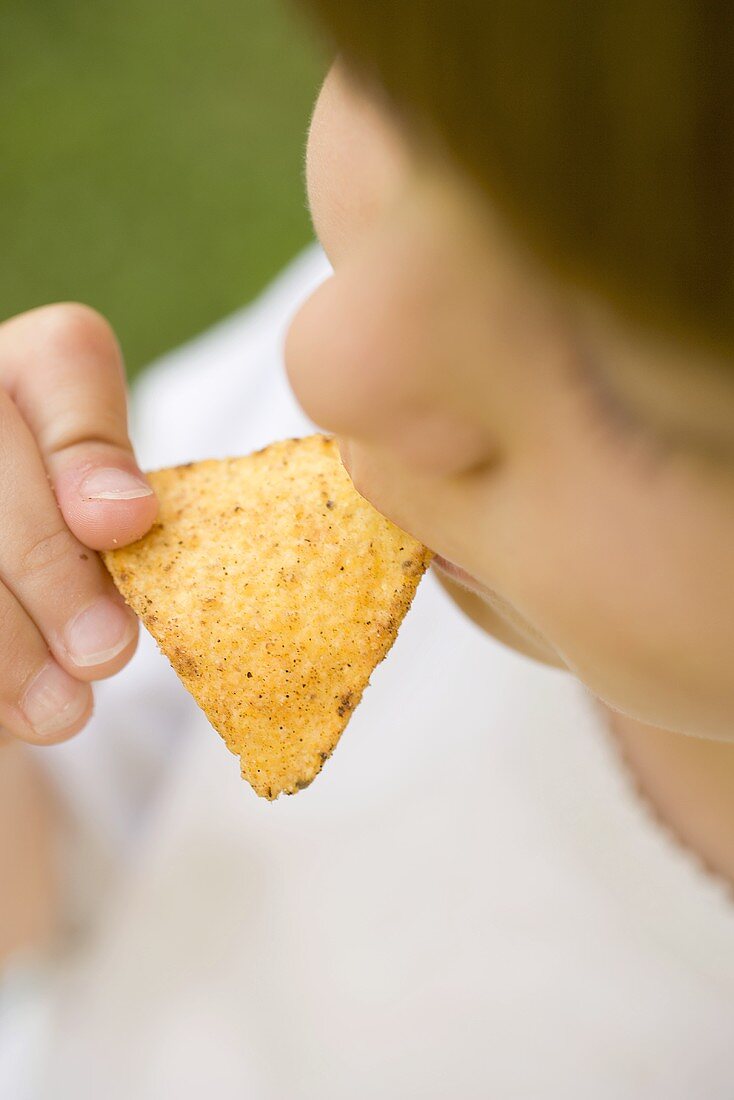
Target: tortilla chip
(274, 589)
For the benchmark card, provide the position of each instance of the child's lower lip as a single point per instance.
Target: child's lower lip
(456, 573)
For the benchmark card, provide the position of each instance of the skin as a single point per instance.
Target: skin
(574, 473)
(63, 418)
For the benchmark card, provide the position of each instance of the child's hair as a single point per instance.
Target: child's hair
(603, 130)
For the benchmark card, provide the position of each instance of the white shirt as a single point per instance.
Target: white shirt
(470, 901)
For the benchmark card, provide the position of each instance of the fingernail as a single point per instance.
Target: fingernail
(54, 701)
(114, 484)
(99, 633)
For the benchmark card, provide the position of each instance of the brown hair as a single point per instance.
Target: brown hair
(604, 131)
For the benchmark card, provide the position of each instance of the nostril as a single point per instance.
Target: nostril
(443, 445)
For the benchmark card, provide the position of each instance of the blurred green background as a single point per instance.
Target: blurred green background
(151, 157)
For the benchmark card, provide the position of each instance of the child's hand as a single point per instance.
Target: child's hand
(69, 485)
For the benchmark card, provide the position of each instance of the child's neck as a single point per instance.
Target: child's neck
(689, 783)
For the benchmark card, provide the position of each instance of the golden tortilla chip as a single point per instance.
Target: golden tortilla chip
(274, 589)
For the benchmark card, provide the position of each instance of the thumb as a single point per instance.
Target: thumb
(62, 367)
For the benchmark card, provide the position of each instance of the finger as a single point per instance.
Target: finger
(62, 366)
(39, 701)
(63, 587)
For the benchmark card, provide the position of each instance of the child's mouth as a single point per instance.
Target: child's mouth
(459, 575)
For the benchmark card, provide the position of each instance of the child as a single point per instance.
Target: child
(473, 900)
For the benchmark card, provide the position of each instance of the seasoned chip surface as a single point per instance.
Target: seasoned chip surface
(274, 589)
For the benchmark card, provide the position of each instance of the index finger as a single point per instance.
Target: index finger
(62, 367)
